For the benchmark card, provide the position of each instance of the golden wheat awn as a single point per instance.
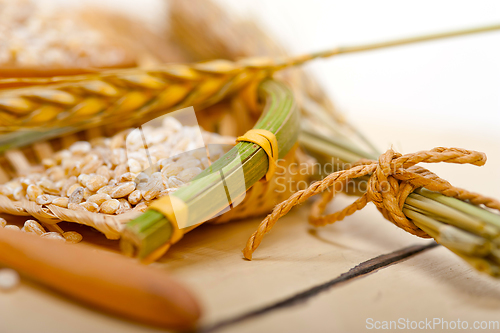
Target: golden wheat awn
(132, 96)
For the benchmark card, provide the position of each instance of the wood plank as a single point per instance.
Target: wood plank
(435, 284)
(364, 268)
(293, 257)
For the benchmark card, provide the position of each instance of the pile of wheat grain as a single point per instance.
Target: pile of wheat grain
(113, 175)
(32, 226)
(34, 37)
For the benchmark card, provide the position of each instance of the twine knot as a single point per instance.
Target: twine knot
(391, 179)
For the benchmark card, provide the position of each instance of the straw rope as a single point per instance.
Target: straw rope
(393, 178)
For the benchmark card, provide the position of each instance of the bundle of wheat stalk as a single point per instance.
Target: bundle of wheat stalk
(249, 88)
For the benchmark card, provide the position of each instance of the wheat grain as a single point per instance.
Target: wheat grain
(123, 190)
(61, 202)
(90, 206)
(99, 198)
(94, 183)
(127, 177)
(141, 207)
(105, 172)
(76, 196)
(56, 173)
(171, 169)
(76, 207)
(12, 227)
(120, 170)
(34, 227)
(72, 237)
(49, 187)
(18, 193)
(187, 175)
(110, 206)
(87, 193)
(26, 182)
(33, 191)
(174, 182)
(80, 148)
(135, 197)
(124, 206)
(134, 166)
(48, 162)
(92, 165)
(71, 189)
(108, 189)
(153, 187)
(53, 235)
(82, 179)
(45, 199)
